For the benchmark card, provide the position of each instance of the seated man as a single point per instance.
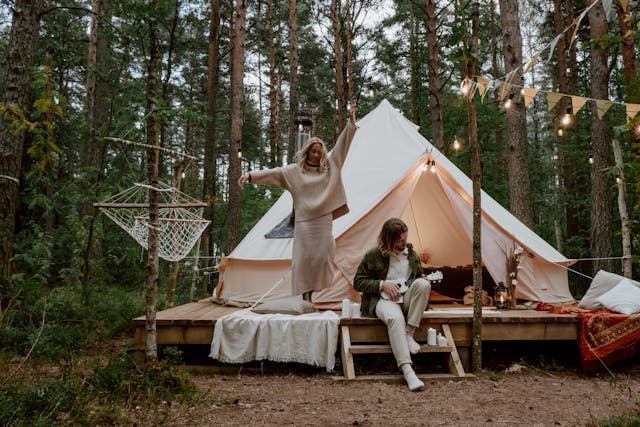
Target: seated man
(381, 277)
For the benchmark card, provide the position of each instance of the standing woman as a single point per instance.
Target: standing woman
(315, 184)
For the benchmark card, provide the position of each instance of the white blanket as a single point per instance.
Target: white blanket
(244, 336)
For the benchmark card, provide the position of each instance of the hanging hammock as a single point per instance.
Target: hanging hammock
(180, 222)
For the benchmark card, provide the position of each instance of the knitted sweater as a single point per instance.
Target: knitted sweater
(314, 194)
(372, 269)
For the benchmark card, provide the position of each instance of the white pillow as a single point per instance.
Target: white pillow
(601, 283)
(623, 298)
(289, 305)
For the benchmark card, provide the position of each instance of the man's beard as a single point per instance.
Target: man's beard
(399, 248)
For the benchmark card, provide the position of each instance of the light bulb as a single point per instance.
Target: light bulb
(456, 144)
(465, 89)
(300, 127)
(618, 180)
(567, 118)
(371, 92)
(560, 132)
(590, 160)
(183, 175)
(432, 168)
(509, 101)
(239, 154)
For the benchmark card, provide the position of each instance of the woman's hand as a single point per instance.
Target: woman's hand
(244, 178)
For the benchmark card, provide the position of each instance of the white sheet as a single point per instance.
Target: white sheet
(244, 336)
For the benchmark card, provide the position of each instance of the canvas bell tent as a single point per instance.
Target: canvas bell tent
(392, 171)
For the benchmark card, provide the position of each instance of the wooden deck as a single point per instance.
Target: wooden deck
(192, 324)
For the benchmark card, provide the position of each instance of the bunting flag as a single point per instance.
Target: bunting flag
(529, 94)
(531, 63)
(552, 46)
(603, 107)
(483, 85)
(468, 89)
(577, 21)
(577, 102)
(505, 89)
(632, 110)
(606, 4)
(552, 99)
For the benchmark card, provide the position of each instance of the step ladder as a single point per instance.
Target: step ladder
(348, 349)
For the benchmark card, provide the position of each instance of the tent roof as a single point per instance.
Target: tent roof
(385, 149)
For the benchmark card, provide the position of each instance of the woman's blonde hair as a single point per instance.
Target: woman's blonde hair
(303, 155)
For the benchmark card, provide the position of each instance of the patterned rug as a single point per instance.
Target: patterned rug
(605, 337)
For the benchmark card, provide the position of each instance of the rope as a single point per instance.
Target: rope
(588, 259)
(10, 178)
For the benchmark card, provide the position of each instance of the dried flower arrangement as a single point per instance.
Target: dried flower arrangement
(512, 258)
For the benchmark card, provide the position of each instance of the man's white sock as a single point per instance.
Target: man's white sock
(414, 347)
(413, 382)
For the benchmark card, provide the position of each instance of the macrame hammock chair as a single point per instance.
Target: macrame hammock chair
(180, 218)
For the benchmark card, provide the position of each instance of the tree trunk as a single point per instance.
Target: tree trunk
(293, 80)
(415, 68)
(237, 119)
(153, 138)
(98, 102)
(435, 87)
(601, 217)
(519, 183)
(622, 209)
(628, 49)
(274, 105)
(20, 60)
(210, 145)
(348, 38)
(476, 176)
(337, 53)
(500, 162)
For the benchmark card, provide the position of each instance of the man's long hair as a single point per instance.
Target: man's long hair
(303, 155)
(390, 233)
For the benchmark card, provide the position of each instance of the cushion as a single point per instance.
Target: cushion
(623, 298)
(601, 283)
(289, 305)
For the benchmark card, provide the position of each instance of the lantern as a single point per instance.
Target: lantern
(501, 297)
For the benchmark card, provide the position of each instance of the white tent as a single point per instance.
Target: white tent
(386, 175)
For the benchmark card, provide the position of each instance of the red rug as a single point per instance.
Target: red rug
(605, 337)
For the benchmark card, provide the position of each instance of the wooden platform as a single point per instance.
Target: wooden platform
(192, 324)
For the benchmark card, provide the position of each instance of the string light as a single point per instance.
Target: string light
(432, 168)
(567, 118)
(300, 127)
(371, 92)
(456, 144)
(183, 175)
(509, 101)
(240, 154)
(465, 89)
(590, 160)
(618, 180)
(560, 132)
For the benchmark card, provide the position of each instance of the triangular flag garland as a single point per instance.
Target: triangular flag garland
(603, 107)
(577, 102)
(552, 99)
(529, 93)
(484, 84)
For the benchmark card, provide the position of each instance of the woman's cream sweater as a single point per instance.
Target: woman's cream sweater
(314, 194)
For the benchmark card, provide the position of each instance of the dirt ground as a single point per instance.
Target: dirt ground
(519, 395)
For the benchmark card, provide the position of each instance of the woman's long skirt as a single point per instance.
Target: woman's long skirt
(313, 252)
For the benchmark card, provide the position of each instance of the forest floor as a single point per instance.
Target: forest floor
(506, 393)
